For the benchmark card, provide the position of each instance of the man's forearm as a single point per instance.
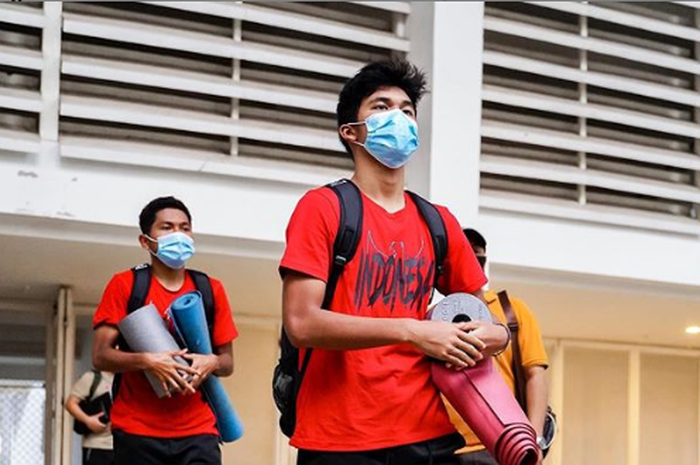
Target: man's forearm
(224, 358)
(106, 357)
(117, 361)
(337, 331)
(75, 410)
(536, 389)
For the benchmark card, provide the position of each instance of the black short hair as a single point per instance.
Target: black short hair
(475, 238)
(149, 212)
(387, 73)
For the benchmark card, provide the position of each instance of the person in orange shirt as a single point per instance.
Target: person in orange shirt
(533, 358)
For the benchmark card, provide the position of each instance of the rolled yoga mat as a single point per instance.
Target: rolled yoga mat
(480, 395)
(190, 323)
(145, 331)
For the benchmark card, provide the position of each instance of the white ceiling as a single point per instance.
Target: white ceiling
(594, 308)
(567, 306)
(35, 268)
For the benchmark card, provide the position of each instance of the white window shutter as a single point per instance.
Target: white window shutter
(216, 79)
(591, 111)
(20, 75)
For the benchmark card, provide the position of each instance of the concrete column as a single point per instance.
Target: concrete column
(447, 42)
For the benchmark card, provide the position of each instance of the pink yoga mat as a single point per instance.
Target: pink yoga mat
(480, 395)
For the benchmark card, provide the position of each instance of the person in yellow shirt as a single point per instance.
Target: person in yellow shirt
(533, 360)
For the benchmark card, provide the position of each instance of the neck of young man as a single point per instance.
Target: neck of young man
(171, 279)
(385, 186)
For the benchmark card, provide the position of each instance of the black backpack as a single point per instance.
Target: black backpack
(287, 377)
(137, 299)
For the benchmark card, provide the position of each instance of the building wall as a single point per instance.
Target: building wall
(255, 352)
(69, 205)
(48, 184)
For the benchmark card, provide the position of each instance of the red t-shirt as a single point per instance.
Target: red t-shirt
(380, 397)
(137, 409)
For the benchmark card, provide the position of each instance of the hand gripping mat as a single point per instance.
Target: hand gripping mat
(480, 395)
(190, 323)
(145, 331)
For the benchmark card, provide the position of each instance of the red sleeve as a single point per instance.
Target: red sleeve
(462, 270)
(114, 301)
(311, 233)
(225, 329)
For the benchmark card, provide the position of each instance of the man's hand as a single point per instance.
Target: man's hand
(205, 366)
(450, 342)
(494, 337)
(94, 424)
(168, 371)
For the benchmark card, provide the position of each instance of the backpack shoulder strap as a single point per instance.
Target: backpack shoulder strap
(96, 378)
(517, 363)
(203, 285)
(349, 232)
(137, 299)
(346, 241)
(438, 232)
(140, 288)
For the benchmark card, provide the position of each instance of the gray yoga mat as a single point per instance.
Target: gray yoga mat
(145, 331)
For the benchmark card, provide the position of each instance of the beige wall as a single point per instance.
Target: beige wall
(669, 413)
(595, 406)
(624, 404)
(255, 353)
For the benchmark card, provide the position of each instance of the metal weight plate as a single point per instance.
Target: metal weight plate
(460, 307)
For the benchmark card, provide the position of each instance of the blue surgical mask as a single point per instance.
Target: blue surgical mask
(392, 137)
(174, 249)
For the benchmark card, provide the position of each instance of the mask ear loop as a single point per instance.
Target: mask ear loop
(360, 144)
(152, 240)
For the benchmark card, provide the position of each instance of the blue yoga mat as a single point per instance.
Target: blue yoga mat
(187, 313)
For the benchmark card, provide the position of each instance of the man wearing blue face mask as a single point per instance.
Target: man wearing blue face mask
(179, 428)
(366, 397)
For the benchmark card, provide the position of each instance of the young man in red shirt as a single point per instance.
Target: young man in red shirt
(367, 397)
(179, 428)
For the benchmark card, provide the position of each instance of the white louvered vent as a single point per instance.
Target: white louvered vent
(20, 75)
(215, 79)
(591, 111)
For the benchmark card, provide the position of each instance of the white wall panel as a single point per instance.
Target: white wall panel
(587, 89)
(669, 410)
(595, 402)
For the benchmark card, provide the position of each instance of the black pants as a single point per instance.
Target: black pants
(98, 456)
(481, 457)
(130, 449)
(438, 451)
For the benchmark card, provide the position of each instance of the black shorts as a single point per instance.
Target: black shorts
(481, 457)
(439, 451)
(98, 456)
(130, 449)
